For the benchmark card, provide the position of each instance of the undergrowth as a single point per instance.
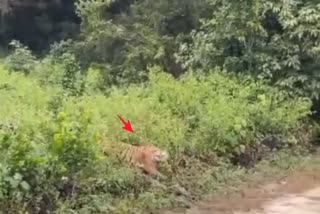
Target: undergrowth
(51, 162)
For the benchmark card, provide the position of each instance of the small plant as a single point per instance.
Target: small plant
(21, 60)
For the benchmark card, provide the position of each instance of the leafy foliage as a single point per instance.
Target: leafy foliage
(49, 146)
(205, 80)
(273, 40)
(21, 59)
(124, 44)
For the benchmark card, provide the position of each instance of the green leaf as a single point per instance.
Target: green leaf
(25, 185)
(17, 176)
(14, 183)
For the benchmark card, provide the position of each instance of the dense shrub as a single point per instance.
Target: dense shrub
(21, 59)
(222, 111)
(48, 138)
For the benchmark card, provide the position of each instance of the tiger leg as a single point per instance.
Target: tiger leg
(151, 168)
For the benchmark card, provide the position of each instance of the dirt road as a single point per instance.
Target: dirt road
(298, 193)
(307, 202)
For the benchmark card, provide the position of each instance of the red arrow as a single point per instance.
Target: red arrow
(126, 125)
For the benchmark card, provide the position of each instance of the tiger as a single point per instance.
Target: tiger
(146, 156)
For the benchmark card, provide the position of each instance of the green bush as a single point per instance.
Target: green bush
(37, 148)
(21, 60)
(222, 111)
(48, 139)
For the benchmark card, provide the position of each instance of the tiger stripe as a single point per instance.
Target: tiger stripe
(146, 157)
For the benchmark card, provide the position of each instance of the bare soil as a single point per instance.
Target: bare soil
(295, 193)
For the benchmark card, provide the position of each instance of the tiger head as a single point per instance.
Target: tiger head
(160, 155)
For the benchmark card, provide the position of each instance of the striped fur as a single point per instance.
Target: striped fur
(146, 157)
